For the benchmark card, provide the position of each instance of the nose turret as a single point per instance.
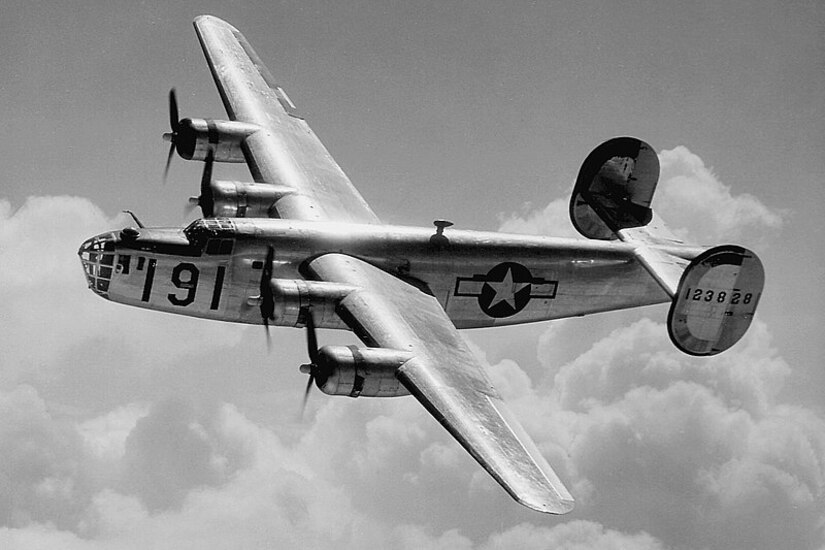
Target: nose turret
(98, 258)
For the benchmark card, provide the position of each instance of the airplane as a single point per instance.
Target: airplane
(298, 246)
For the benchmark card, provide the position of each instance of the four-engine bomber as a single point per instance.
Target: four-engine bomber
(298, 246)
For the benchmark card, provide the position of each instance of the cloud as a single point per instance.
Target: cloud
(42, 471)
(696, 204)
(273, 497)
(105, 436)
(697, 452)
(553, 220)
(574, 535)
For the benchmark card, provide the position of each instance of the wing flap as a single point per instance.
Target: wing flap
(445, 376)
(286, 152)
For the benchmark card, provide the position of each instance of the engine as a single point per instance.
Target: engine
(354, 371)
(293, 298)
(238, 199)
(195, 137)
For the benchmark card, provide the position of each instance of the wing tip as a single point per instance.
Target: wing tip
(556, 506)
(548, 497)
(211, 19)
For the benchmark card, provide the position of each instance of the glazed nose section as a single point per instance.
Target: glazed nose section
(98, 258)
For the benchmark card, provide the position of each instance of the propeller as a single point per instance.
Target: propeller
(174, 124)
(206, 200)
(267, 300)
(310, 368)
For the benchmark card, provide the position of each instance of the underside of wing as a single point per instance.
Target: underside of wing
(445, 376)
(285, 152)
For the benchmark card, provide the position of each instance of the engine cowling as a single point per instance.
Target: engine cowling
(354, 371)
(195, 137)
(238, 199)
(292, 298)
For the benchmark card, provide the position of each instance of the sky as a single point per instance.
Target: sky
(122, 428)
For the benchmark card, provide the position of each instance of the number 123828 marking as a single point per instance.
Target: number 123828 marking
(719, 296)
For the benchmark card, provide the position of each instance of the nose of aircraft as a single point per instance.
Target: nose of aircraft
(98, 258)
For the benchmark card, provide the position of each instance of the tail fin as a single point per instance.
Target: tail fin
(714, 292)
(614, 188)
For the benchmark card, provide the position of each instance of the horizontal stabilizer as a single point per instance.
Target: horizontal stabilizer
(716, 300)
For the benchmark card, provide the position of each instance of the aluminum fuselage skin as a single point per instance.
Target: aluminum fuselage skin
(481, 279)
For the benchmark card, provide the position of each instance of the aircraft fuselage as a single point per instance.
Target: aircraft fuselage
(213, 268)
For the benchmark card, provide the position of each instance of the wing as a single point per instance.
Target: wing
(445, 377)
(286, 152)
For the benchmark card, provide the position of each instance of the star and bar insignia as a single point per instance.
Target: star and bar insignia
(506, 289)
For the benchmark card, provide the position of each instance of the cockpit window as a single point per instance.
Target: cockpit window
(213, 227)
(216, 234)
(219, 246)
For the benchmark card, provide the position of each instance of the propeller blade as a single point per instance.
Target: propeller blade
(174, 121)
(168, 160)
(314, 356)
(267, 300)
(312, 339)
(207, 200)
(206, 178)
(171, 137)
(306, 393)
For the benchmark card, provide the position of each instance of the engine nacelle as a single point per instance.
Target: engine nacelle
(238, 199)
(197, 136)
(293, 298)
(354, 371)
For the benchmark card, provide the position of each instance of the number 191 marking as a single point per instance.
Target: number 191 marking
(185, 276)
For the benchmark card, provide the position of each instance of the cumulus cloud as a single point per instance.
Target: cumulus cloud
(42, 473)
(697, 452)
(696, 204)
(575, 535)
(552, 220)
